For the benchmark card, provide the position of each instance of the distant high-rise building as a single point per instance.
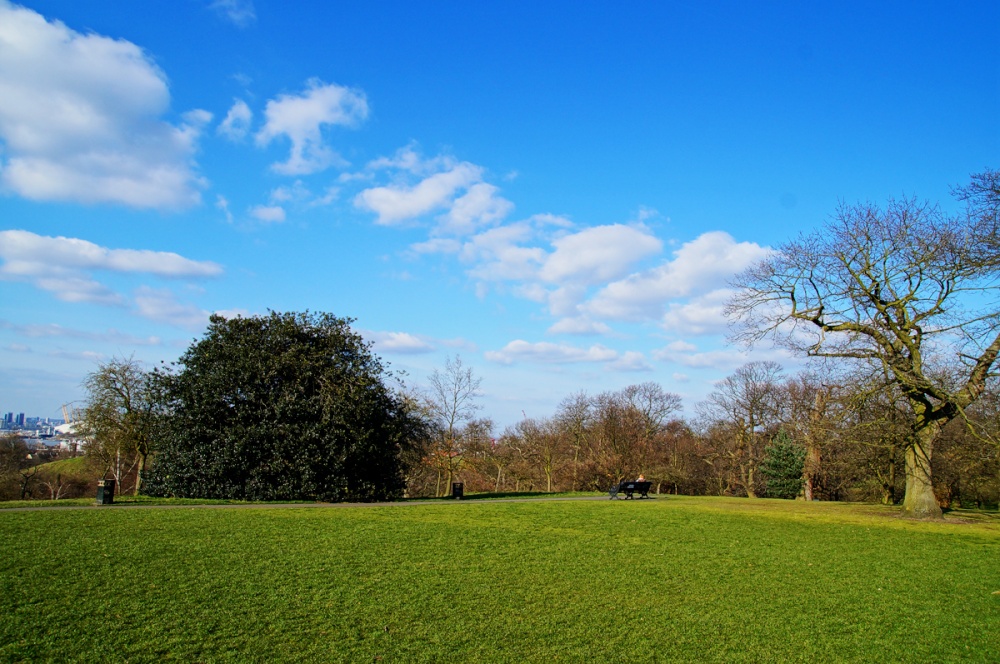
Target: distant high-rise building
(8, 419)
(20, 420)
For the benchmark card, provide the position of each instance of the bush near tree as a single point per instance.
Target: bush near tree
(287, 406)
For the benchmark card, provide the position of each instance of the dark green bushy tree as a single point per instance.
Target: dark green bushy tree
(782, 467)
(279, 407)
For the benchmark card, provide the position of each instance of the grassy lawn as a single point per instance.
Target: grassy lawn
(669, 579)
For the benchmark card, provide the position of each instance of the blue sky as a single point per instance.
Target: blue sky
(557, 193)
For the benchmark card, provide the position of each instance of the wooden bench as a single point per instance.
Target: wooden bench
(629, 488)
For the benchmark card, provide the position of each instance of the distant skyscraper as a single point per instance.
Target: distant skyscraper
(8, 419)
(20, 419)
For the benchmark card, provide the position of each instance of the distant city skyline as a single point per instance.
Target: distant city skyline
(559, 193)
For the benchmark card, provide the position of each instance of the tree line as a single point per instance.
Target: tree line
(759, 433)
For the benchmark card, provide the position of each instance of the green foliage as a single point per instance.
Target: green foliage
(670, 580)
(782, 466)
(280, 407)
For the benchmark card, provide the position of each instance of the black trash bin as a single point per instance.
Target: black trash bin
(457, 489)
(105, 492)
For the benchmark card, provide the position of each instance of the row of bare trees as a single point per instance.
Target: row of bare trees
(853, 428)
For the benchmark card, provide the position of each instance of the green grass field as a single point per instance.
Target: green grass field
(669, 579)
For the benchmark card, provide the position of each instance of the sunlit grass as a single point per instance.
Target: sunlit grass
(669, 579)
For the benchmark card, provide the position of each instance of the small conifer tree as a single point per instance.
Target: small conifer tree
(782, 466)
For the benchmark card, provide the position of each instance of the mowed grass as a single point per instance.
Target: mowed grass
(669, 579)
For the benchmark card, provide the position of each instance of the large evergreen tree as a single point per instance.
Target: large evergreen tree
(283, 406)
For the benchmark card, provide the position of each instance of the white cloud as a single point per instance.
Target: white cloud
(397, 203)
(701, 315)
(579, 325)
(296, 193)
(302, 118)
(398, 342)
(268, 213)
(699, 266)
(162, 306)
(81, 119)
(239, 12)
(409, 159)
(27, 254)
(62, 266)
(564, 301)
(598, 254)
(550, 353)
(723, 360)
(550, 220)
(480, 205)
(630, 361)
(236, 125)
(70, 287)
(498, 254)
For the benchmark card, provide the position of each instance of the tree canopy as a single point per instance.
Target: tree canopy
(280, 407)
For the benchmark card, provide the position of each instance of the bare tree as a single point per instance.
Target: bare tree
(119, 418)
(451, 403)
(748, 405)
(893, 288)
(573, 420)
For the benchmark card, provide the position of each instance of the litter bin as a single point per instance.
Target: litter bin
(457, 489)
(105, 492)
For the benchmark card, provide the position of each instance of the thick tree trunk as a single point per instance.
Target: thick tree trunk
(812, 464)
(919, 501)
(748, 480)
(811, 468)
(140, 473)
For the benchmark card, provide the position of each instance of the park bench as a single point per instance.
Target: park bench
(629, 488)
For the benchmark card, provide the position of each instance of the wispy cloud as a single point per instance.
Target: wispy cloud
(65, 266)
(162, 306)
(53, 330)
(238, 12)
(268, 213)
(236, 125)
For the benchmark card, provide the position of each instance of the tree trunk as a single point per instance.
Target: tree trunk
(139, 473)
(919, 501)
(811, 468)
(748, 473)
(812, 464)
